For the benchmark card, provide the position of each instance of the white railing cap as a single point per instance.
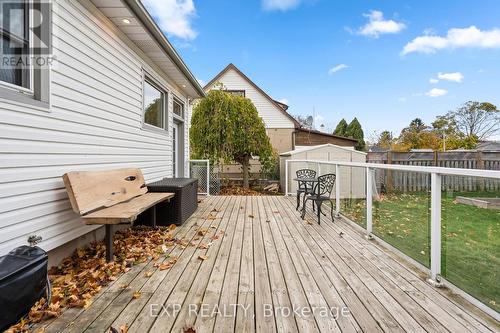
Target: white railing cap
(413, 168)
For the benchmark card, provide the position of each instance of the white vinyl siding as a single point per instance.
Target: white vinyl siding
(95, 122)
(272, 116)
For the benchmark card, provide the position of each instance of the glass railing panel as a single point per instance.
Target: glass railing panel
(353, 193)
(401, 211)
(470, 212)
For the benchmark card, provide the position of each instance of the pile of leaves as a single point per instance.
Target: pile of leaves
(79, 277)
(239, 191)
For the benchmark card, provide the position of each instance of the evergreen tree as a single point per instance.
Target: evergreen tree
(341, 128)
(355, 131)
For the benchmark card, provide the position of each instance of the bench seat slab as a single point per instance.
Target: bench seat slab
(126, 212)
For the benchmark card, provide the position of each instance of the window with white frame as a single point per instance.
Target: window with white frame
(15, 43)
(155, 101)
(178, 108)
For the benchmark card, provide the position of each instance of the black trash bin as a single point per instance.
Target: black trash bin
(23, 281)
(181, 206)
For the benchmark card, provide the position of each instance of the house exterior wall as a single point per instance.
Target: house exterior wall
(272, 117)
(94, 122)
(281, 139)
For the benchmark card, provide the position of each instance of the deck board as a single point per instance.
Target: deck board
(267, 258)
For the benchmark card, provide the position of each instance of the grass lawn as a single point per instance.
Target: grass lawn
(470, 237)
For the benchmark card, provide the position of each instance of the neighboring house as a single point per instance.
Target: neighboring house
(117, 96)
(284, 132)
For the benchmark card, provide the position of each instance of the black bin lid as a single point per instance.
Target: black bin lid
(173, 182)
(20, 258)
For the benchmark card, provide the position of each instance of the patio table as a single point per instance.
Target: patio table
(305, 181)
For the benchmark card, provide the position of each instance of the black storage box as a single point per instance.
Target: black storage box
(23, 282)
(181, 206)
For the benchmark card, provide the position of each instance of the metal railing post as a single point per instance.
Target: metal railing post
(337, 190)
(369, 201)
(435, 228)
(286, 177)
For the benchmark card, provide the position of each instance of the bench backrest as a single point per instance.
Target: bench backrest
(91, 190)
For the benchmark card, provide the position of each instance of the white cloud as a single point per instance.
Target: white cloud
(402, 99)
(284, 101)
(173, 16)
(337, 68)
(377, 25)
(470, 37)
(454, 77)
(433, 80)
(436, 92)
(282, 5)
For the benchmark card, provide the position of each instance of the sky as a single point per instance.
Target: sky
(385, 62)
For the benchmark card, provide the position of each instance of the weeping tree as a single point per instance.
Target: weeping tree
(228, 128)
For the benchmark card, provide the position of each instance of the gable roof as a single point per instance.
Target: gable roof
(280, 106)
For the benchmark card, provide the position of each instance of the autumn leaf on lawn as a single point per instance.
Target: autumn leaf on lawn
(203, 257)
(124, 328)
(136, 294)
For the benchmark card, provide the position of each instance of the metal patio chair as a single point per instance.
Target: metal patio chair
(322, 192)
(304, 187)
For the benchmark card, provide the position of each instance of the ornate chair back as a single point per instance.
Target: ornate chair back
(325, 184)
(304, 174)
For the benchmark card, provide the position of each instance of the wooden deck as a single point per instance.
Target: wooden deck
(270, 271)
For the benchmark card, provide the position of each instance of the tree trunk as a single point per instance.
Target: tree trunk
(245, 162)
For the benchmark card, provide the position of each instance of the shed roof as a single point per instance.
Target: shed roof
(310, 148)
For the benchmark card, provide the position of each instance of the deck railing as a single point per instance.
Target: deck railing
(457, 242)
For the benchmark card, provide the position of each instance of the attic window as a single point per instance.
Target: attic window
(236, 92)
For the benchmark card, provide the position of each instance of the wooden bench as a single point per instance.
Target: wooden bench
(110, 198)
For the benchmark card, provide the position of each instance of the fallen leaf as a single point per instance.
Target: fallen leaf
(189, 330)
(172, 227)
(148, 274)
(203, 257)
(124, 328)
(136, 295)
(251, 216)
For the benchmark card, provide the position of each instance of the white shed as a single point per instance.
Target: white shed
(352, 179)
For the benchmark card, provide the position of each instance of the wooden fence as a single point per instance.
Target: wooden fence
(387, 180)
